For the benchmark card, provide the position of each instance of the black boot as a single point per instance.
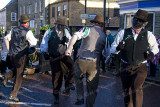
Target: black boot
(56, 99)
(79, 102)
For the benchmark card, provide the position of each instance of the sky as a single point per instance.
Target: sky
(3, 3)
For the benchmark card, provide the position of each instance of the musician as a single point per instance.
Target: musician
(17, 42)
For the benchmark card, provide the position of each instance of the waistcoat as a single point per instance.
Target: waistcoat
(18, 42)
(133, 52)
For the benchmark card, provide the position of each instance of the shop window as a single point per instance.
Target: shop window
(64, 10)
(58, 11)
(53, 11)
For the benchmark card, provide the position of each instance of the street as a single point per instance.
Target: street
(36, 91)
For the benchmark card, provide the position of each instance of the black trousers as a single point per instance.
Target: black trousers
(133, 78)
(58, 66)
(17, 71)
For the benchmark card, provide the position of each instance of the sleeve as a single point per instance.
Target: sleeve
(31, 39)
(116, 42)
(44, 43)
(83, 33)
(8, 36)
(153, 45)
(68, 35)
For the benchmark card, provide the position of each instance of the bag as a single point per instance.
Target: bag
(110, 61)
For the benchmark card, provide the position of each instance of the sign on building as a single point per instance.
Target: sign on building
(83, 16)
(91, 16)
(41, 17)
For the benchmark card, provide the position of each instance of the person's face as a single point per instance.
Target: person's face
(59, 27)
(137, 23)
(108, 33)
(27, 24)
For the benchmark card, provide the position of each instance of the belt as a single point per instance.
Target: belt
(87, 59)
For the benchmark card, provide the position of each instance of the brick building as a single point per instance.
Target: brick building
(129, 7)
(9, 15)
(36, 10)
(59, 9)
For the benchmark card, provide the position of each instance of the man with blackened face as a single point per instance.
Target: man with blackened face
(135, 45)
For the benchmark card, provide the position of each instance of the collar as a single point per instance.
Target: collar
(24, 25)
(99, 27)
(136, 31)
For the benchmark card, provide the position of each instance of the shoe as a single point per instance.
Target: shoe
(66, 91)
(14, 98)
(72, 87)
(4, 81)
(56, 100)
(79, 102)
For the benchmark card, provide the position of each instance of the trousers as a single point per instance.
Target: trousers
(58, 67)
(18, 63)
(133, 78)
(92, 70)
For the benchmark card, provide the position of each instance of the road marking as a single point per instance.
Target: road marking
(152, 83)
(25, 103)
(21, 87)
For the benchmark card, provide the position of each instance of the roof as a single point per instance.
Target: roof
(9, 4)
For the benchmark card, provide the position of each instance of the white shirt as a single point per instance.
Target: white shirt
(44, 43)
(82, 33)
(29, 37)
(153, 46)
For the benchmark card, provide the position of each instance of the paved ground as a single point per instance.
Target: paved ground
(36, 91)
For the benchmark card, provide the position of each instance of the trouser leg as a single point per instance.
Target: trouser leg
(79, 79)
(126, 80)
(70, 73)
(92, 84)
(19, 75)
(137, 85)
(57, 77)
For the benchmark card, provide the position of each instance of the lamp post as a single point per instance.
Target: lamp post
(85, 10)
(104, 15)
(108, 14)
(68, 15)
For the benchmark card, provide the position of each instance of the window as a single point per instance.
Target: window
(30, 8)
(53, 11)
(64, 10)
(116, 12)
(40, 4)
(128, 22)
(23, 9)
(13, 16)
(35, 7)
(58, 10)
(149, 26)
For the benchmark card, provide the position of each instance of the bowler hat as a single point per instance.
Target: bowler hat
(60, 21)
(98, 19)
(142, 15)
(24, 18)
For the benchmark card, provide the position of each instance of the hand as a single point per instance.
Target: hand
(68, 52)
(148, 55)
(120, 46)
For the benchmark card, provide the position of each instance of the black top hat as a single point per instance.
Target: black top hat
(24, 18)
(142, 15)
(98, 19)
